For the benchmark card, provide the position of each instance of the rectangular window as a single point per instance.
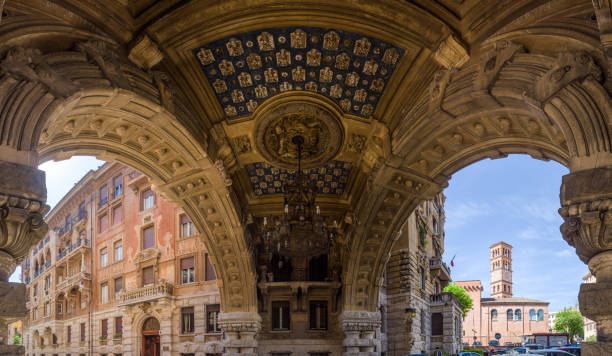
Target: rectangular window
(82, 210)
(118, 247)
(117, 186)
(148, 238)
(187, 320)
(280, 316)
(82, 332)
(103, 257)
(118, 325)
(212, 318)
(188, 270)
(187, 228)
(318, 315)
(103, 195)
(47, 309)
(68, 334)
(102, 223)
(421, 278)
(148, 199)
(117, 215)
(104, 292)
(105, 328)
(148, 276)
(209, 269)
(118, 286)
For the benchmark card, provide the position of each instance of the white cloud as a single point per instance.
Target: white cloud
(565, 253)
(458, 215)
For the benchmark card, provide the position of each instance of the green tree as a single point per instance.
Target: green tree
(461, 294)
(569, 320)
(17, 339)
(591, 338)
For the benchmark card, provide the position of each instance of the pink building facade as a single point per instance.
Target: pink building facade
(511, 317)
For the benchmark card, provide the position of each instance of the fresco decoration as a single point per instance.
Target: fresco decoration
(330, 179)
(244, 70)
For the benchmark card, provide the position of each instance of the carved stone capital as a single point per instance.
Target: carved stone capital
(7, 266)
(22, 208)
(586, 200)
(356, 320)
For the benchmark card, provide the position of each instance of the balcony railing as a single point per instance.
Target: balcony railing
(147, 293)
(73, 280)
(68, 250)
(445, 298)
(64, 229)
(435, 263)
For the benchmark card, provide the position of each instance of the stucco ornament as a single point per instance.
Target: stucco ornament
(319, 126)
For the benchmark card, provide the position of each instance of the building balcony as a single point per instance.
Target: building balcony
(64, 230)
(149, 293)
(79, 244)
(74, 280)
(437, 266)
(80, 219)
(443, 299)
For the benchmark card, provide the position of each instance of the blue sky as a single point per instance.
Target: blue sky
(513, 199)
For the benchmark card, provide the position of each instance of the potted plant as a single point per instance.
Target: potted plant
(103, 339)
(118, 335)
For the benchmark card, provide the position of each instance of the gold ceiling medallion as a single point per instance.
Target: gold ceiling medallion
(314, 119)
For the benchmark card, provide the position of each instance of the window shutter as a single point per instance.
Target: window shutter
(105, 327)
(275, 317)
(209, 269)
(313, 315)
(148, 238)
(187, 263)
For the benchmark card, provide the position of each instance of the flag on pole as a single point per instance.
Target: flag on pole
(453, 263)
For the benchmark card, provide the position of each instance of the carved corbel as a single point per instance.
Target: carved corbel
(437, 88)
(166, 94)
(106, 57)
(492, 62)
(588, 227)
(30, 64)
(451, 53)
(570, 66)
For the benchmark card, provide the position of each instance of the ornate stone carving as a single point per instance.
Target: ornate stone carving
(451, 53)
(319, 127)
(30, 64)
(357, 143)
(105, 56)
(145, 53)
(240, 329)
(21, 209)
(242, 144)
(351, 320)
(493, 61)
(227, 180)
(570, 66)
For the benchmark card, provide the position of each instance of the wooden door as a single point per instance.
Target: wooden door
(150, 345)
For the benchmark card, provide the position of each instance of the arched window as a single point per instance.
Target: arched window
(532, 314)
(493, 315)
(517, 314)
(540, 314)
(510, 314)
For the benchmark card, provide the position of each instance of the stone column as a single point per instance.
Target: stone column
(360, 329)
(240, 330)
(586, 200)
(22, 207)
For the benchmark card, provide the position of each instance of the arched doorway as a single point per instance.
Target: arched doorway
(150, 337)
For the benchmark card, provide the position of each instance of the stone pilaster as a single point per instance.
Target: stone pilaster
(360, 330)
(586, 200)
(240, 330)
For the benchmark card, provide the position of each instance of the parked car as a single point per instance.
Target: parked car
(533, 347)
(468, 353)
(555, 352)
(574, 350)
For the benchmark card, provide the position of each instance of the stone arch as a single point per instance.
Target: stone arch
(152, 142)
(92, 101)
(509, 102)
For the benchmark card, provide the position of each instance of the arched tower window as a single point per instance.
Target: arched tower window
(493, 315)
(532, 314)
(510, 314)
(540, 314)
(517, 314)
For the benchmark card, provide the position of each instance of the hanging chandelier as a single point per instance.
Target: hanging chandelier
(301, 230)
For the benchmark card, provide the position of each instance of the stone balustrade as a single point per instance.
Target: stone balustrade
(72, 280)
(158, 290)
(436, 263)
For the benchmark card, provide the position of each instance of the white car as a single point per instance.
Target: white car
(550, 352)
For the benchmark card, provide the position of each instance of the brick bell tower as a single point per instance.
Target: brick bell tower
(501, 270)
